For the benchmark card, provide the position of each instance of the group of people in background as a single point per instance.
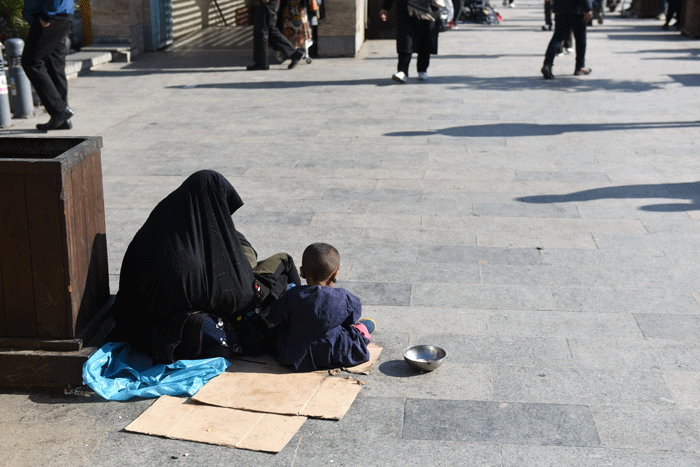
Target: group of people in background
(417, 22)
(291, 41)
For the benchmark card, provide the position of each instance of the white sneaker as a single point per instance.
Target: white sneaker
(422, 76)
(400, 77)
(568, 51)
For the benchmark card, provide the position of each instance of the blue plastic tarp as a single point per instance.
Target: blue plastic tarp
(117, 372)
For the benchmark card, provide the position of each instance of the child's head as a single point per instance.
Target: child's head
(319, 264)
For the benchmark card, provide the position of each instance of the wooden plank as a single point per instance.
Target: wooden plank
(78, 241)
(47, 256)
(26, 368)
(101, 230)
(15, 257)
(25, 343)
(68, 229)
(96, 290)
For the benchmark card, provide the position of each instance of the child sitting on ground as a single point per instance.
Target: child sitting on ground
(318, 326)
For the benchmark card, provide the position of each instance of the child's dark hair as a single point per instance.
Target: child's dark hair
(319, 261)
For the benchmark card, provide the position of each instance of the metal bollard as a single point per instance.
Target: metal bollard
(5, 116)
(21, 100)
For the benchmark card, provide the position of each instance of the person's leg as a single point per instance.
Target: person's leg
(548, 14)
(43, 61)
(56, 68)
(569, 40)
(423, 62)
(404, 62)
(578, 26)
(457, 4)
(260, 34)
(278, 41)
(275, 274)
(562, 27)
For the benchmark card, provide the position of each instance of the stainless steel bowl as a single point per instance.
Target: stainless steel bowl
(424, 357)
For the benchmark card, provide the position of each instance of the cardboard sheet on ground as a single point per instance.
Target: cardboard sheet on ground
(173, 417)
(274, 389)
(365, 368)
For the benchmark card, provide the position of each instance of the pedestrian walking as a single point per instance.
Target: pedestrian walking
(569, 15)
(44, 57)
(265, 30)
(417, 32)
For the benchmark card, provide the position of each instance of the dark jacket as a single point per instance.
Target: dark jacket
(186, 258)
(45, 9)
(571, 7)
(414, 35)
(315, 328)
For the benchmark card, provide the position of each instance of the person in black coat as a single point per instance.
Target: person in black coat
(417, 32)
(569, 15)
(44, 57)
(190, 284)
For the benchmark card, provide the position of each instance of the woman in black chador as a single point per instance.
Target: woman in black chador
(417, 32)
(190, 285)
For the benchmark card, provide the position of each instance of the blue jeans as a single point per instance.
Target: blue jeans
(562, 25)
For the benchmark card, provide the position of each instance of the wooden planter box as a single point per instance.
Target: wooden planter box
(691, 18)
(53, 247)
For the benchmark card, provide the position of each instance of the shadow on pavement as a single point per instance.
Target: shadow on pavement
(397, 369)
(687, 191)
(502, 83)
(510, 130)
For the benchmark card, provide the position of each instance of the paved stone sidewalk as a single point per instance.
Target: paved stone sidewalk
(545, 233)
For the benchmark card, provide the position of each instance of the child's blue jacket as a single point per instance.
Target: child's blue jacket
(45, 9)
(315, 328)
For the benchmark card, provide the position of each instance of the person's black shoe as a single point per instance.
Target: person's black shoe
(582, 71)
(67, 125)
(547, 72)
(57, 121)
(296, 58)
(257, 66)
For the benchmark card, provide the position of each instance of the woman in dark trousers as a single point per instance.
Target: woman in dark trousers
(417, 32)
(569, 15)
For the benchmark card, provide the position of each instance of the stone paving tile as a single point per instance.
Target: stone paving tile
(541, 275)
(371, 417)
(405, 452)
(685, 388)
(481, 255)
(671, 327)
(442, 320)
(525, 210)
(486, 297)
(123, 448)
(419, 237)
(563, 456)
(614, 300)
(383, 293)
(412, 272)
(589, 225)
(60, 445)
(501, 350)
(569, 177)
(441, 222)
(534, 239)
(635, 355)
(610, 258)
(560, 324)
(661, 428)
(499, 422)
(580, 386)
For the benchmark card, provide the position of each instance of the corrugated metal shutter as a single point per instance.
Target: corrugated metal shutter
(188, 16)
